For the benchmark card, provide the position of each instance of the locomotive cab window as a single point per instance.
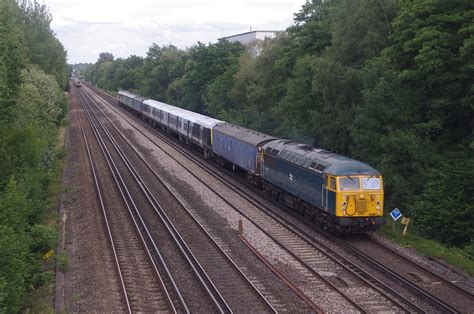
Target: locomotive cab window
(331, 183)
(371, 183)
(349, 183)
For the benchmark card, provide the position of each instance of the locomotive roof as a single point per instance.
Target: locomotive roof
(243, 134)
(183, 113)
(318, 159)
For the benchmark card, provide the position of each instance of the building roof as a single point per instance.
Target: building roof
(255, 31)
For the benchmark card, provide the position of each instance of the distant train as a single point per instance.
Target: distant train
(77, 82)
(336, 192)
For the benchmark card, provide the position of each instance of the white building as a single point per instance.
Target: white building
(250, 38)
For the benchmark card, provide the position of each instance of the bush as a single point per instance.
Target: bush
(44, 238)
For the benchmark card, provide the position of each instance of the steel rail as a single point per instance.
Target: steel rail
(122, 188)
(109, 233)
(207, 284)
(282, 277)
(429, 296)
(424, 269)
(186, 210)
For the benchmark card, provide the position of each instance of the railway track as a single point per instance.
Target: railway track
(225, 281)
(453, 297)
(380, 298)
(125, 242)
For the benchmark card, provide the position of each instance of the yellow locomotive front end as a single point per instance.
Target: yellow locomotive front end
(359, 196)
(359, 202)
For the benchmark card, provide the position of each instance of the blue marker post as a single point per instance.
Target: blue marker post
(395, 214)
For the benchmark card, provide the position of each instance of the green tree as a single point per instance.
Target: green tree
(336, 91)
(444, 209)
(433, 49)
(415, 106)
(105, 57)
(310, 34)
(294, 109)
(41, 99)
(360, 29)
(12, 54)
(205, 63)
(217, 99)
(162, 66)
(44, 49)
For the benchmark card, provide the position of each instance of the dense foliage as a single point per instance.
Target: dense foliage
(32, 107)
(387, 82)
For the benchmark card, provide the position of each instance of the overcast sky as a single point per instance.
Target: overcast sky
(88, 27)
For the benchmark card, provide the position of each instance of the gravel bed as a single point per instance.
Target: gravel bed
(193, 293)
(90, 283)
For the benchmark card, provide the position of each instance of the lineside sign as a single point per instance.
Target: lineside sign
(396, 214)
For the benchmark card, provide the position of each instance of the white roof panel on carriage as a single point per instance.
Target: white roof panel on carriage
(124, 92)
(183, 113)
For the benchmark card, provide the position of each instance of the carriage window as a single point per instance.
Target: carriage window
(349, 183)
(371, 183)
(332, 183)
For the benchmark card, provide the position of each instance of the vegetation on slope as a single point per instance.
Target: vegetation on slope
(32, 108)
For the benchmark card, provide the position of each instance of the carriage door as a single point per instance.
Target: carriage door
(201, 135)
(324, 193)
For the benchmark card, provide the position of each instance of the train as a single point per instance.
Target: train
(340, 194)
(77, 82)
